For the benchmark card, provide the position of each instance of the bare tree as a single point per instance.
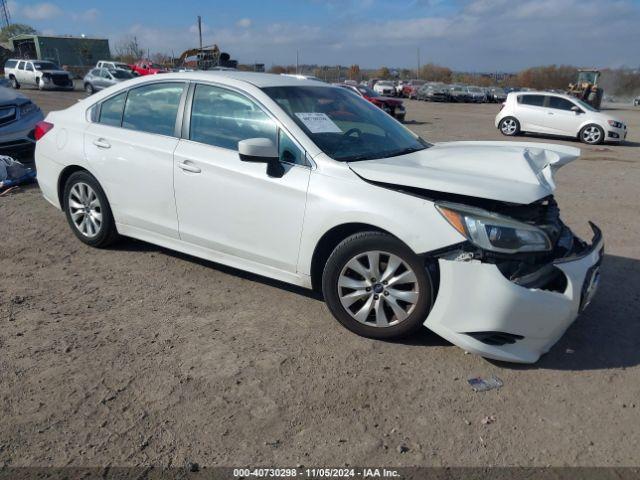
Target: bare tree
(128, 50)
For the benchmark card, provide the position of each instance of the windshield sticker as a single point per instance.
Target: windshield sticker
(318, 123)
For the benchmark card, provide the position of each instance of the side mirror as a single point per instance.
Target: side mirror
(261, 150)
(576, 109)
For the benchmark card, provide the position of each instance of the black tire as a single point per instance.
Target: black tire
(360, 243)
(14, 83)
(509, 126)
(106, 234)
(401, 118)
(89, 89)
(591, 134)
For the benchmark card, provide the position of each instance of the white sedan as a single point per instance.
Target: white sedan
(558, 114)
(306, 183)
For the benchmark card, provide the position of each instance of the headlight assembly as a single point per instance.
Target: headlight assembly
(494, 232)
(27, 108)
(614, 124)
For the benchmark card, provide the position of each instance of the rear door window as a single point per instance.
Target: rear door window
(111, 110)
(532, 100)
(153, 108)
(560, 103)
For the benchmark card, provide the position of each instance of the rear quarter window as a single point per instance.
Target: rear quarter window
(11, 64)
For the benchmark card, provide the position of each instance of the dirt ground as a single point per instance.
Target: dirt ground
(137, 356)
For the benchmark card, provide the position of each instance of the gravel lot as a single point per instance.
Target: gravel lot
(138, 356)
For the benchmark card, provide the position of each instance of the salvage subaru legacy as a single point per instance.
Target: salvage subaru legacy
(306, 183)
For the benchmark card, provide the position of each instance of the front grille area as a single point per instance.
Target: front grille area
(60, 80)
(495, 338)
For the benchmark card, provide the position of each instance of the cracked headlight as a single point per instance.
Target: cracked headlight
(494, 232)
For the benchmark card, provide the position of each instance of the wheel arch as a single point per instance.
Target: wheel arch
(64, 176)
(329, 241)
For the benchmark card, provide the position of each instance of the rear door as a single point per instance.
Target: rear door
(131, 146)
(532, 113)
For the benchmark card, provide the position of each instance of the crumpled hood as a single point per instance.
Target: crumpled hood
(516, 172)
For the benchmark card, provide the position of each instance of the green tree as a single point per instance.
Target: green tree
(383, 73)
(16, 29)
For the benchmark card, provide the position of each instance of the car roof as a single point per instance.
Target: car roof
(540, 92)
(259, 80)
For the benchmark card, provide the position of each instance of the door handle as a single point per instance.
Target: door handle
(101, 143)
(187, 167)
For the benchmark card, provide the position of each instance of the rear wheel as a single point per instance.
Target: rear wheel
(509, 126)
(88, 211)
(376, 286)
(592, 135)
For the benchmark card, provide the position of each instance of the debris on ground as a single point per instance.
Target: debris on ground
(402, 448)
(13, 173)
(488, 420)
(570, 350)
(482, 385)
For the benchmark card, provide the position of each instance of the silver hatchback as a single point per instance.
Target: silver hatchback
(101, 78)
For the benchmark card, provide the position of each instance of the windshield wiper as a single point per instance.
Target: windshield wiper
(404, 151)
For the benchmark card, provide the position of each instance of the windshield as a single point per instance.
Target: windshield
(120, 74)
(343, 126)
(584, 105)
(45, 66)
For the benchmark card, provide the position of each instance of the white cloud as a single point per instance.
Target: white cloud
(40, 11)
(244, 23)
(90, 15)
(479, 35)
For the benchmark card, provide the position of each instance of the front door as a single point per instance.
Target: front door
(561, 119)
(234, 207)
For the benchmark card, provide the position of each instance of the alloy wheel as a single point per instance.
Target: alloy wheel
(378, 289)
(591, 134)
(85, 209)
(509, 126)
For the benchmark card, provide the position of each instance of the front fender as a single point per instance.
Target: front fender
(333, 201)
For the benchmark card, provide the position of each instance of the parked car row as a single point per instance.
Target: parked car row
(441, 92)
(393, 106)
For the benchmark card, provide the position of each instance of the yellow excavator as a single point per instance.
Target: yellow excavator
(586, 87)
(206, 56)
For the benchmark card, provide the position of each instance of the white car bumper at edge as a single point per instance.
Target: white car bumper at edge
(476, 297)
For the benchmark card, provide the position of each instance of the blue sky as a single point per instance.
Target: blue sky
(473, 35)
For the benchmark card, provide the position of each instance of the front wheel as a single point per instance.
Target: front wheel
(592, 135)
(88, 211)
(375, 286)
(89, 89)
(509, 126)
(14, 83)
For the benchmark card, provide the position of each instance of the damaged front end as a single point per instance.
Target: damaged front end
(532, 267)
(519, 280)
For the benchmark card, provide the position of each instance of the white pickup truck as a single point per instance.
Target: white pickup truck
(39, 73)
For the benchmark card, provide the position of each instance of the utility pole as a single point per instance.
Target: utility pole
(200, 31)
(5, 17)
(297, 59)
(418, 58)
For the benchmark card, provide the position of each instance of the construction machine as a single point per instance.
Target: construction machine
(207, 57)
(586, 87)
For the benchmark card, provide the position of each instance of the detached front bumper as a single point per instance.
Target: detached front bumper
(481, 311)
